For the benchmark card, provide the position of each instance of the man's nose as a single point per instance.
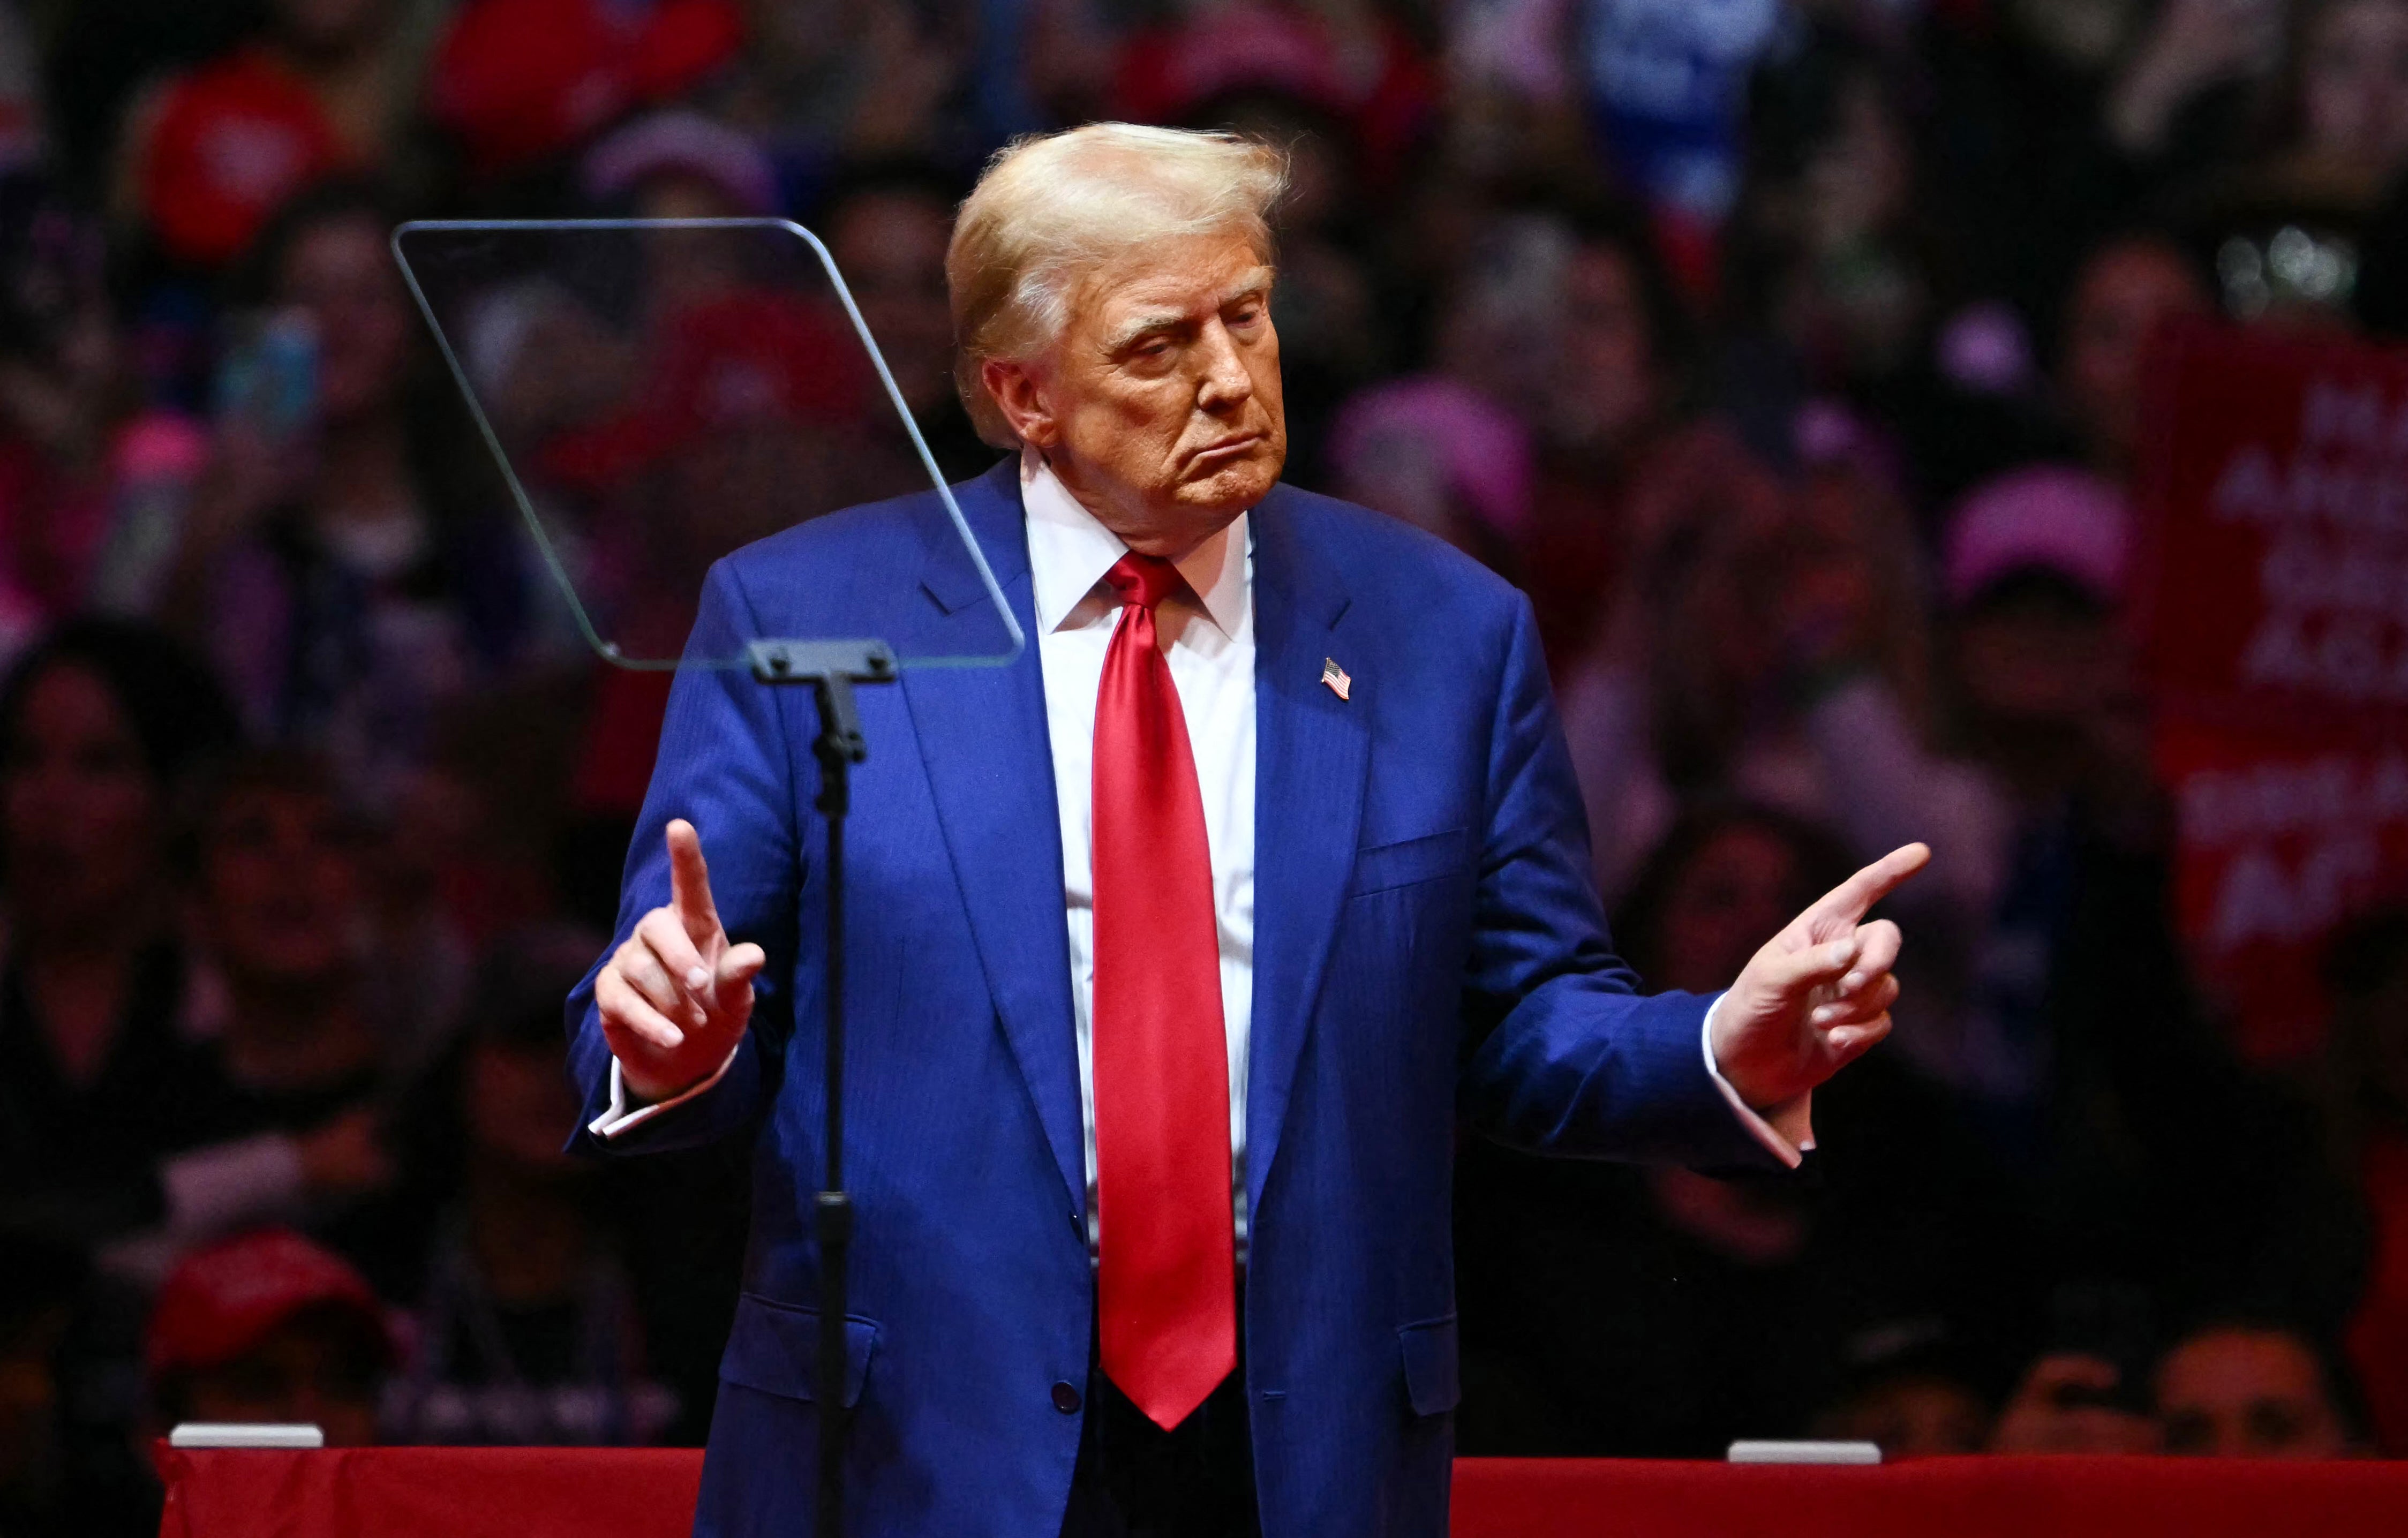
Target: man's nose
(1225, 382)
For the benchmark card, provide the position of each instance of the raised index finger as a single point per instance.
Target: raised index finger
(1852, 899)
(690, 882)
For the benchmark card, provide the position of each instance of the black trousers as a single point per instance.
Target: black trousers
(1136, 1480)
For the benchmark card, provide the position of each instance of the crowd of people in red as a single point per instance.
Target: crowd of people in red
(1790, 355)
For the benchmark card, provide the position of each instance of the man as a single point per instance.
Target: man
(1179, 943)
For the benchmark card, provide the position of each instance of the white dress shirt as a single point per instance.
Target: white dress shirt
(1211, 649)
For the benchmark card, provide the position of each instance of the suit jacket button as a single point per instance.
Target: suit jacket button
(1066, 1399)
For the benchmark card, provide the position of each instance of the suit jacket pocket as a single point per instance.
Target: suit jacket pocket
(1432, 1380)
(775, 1348)
(1385, 866)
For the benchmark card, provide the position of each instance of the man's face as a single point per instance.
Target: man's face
(1160, 407)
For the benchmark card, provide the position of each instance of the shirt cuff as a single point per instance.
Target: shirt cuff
(622, 1117)
(1786, 1129)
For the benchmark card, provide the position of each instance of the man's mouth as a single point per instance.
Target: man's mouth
(1213, 456)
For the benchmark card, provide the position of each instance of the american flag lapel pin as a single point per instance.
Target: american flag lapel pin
(1335, 676)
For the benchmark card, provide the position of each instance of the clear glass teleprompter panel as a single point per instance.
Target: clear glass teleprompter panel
(660, 392)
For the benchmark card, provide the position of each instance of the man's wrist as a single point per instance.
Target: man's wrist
(627, 1112)
(1785, 1130)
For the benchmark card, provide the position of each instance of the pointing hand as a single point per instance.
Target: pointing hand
(675, 999)
(1818, 995)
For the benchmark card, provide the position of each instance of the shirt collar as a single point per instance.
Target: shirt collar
(1070, 550)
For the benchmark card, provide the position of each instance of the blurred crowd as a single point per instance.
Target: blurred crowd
(1789, 353)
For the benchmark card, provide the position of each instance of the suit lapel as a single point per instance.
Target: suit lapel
(1310, 757)
(982, 738)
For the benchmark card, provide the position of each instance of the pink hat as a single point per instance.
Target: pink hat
(2051, 517)
(686, 143)
(1484, 451)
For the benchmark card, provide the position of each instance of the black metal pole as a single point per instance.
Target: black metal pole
(838, 749)
(831, 668)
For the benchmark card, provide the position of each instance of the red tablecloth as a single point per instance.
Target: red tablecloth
(515, 1492)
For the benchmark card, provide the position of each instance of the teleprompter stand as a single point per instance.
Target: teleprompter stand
(832, 668)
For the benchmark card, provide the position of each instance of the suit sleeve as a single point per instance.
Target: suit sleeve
(1566, 1055)
(722, 765)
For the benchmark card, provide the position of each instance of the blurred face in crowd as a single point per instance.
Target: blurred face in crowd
(280, 885)
(2038, 653)
(1607, 390)
(1740, 886)
(687, 266)
(1829, 590)
(317, 1367)
(518, 1099)
(2354, 85)
(2247, 1393)
(340, 274)
(890, 248)
(1856, 180)
(1912, 1417)
(1160, 407)
(2122, 295)
(82, 810)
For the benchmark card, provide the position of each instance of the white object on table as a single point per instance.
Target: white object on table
(236, 1434)
(1804, 1452)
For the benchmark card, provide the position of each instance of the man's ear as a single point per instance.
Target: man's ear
(1014, 390)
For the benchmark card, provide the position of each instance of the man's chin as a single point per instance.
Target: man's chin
(1233, 488)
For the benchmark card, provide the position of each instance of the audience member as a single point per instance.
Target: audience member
(269, 1328)
(1769, 641)
(66, 425)
(327, 86)
(1909, 1393)
(520, 85)
(886, 225)
(2071, 1403)
(101, 727)
(527, 1330)
(337, 565)
(2126, 291)
(2239, 1388)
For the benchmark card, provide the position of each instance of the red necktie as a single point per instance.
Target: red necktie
(1165, 1277)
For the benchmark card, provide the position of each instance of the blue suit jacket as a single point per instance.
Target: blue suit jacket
(1428, 946)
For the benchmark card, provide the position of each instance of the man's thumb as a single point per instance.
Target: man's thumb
(737, 970)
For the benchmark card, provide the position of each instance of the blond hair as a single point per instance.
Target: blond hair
(1051, 209)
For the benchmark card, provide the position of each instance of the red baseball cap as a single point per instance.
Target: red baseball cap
(221, 1301)
(232, 141)
(521, 80)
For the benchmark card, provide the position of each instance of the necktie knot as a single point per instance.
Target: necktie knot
(1144, 580)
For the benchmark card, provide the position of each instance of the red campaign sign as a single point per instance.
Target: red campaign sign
(2273, 577)
(2280, 838)
(2272, 607)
